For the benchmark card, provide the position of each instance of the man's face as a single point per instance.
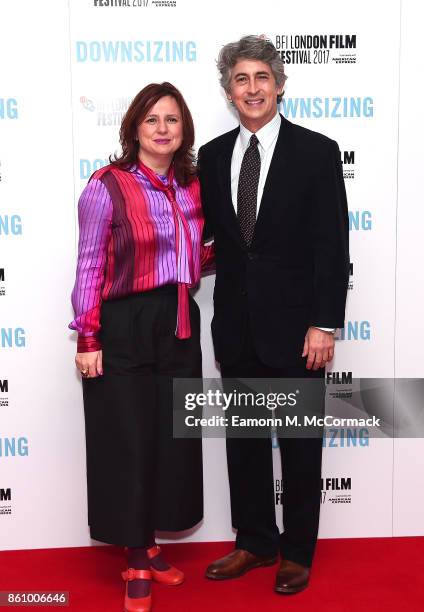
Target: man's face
(253, 91)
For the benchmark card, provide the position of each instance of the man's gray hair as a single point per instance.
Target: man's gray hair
(250, 48)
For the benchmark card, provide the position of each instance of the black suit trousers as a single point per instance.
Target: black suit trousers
(250, 470)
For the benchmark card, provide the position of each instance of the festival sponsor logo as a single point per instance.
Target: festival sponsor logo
(336, 490)
(12, 337)
(164, 3)
(137, 51)
(328, 107)
(4, 392)
(2, 282)
(8, 108)
(360, 220)
(14, 447)
(316, 48)
(5, 501)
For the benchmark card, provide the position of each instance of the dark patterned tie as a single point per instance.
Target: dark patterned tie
(247, 191)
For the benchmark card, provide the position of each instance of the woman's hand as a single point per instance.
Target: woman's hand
(89, 364)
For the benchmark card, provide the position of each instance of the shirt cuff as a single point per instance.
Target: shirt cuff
(332, 330)
(88, 344)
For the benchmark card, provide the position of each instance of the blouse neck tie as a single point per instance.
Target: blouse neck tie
(183, 329)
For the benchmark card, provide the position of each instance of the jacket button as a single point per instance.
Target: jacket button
(243, 292)
(252, 256)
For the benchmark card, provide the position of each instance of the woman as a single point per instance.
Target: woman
(138, 327)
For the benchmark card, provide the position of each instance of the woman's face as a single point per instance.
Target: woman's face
(161, 131)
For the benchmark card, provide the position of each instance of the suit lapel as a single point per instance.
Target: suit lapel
(274, 184)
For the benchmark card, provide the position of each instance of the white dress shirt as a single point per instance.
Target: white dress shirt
(267, 137)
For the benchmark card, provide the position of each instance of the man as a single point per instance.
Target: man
(275, 202)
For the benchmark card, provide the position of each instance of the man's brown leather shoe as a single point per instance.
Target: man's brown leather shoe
(237, 563)
(291, 577)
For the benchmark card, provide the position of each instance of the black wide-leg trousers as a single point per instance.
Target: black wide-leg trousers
(139, 477)
(250, 471)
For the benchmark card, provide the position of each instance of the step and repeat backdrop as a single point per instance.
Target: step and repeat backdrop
(68, 73)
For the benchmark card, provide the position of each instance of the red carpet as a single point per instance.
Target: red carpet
(360, 575)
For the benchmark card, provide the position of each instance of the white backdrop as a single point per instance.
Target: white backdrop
(64, 87)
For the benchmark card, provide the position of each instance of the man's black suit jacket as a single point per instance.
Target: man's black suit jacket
(295, 273)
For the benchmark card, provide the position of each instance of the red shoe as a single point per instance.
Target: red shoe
(171, 576)
(136, 604)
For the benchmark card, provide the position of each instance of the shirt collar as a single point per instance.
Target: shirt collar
(266, 135)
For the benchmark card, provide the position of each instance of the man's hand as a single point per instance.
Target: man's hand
(89, 364)
(319, 347)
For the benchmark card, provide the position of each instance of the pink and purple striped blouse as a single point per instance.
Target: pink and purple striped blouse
(133, 238)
